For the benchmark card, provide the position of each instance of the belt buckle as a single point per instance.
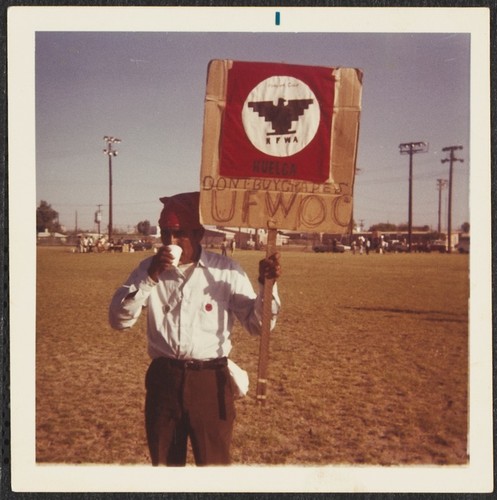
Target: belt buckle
(190, 363)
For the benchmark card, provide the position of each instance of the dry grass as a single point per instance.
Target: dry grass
(368, 363)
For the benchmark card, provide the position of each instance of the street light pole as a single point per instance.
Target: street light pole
(98, 218)
(411, 148)
(451, 159)
(110, 153)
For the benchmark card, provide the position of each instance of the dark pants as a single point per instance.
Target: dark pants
(188, 401)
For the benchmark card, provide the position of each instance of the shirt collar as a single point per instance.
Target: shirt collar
(202, 261)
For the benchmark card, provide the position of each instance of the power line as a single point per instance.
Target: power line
(104, 204)
(393, 180)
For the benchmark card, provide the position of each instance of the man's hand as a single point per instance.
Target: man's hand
(161, 261)
(270, 268)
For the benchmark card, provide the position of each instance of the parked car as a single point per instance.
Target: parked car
(397, 246)
(337, 248)
(421, 247)
(438, 246)
(138, 245)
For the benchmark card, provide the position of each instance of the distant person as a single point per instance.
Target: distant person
(382, 245)
(223, 247)
(361, 245)
(232, 246)
(101, 244)
(191, 310)
(81, 245)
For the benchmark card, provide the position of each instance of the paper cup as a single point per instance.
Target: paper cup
(176, 252)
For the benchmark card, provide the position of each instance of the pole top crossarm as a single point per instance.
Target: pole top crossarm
(413, 147)
(111, 139)
(451, 148)
(451, 158)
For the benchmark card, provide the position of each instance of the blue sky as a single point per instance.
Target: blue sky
(147, 88)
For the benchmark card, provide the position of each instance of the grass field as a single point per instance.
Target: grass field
(368, 362)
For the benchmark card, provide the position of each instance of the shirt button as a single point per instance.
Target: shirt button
(208, 307)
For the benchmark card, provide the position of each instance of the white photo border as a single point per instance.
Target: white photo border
(27, 476)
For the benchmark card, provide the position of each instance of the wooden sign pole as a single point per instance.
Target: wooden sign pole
(266, 323)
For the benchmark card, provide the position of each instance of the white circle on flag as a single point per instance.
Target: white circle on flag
(281, 115)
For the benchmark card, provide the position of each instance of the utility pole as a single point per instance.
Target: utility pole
(351, 223)
(441, 183)
(411, 148)
(110, 153)
(98, 218)
(450, 159)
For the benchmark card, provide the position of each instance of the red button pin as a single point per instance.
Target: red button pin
(208, 307)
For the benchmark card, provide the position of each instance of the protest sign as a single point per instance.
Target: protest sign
(279, 145)
(279, 152)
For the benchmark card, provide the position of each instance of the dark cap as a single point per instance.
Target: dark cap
(180, 211)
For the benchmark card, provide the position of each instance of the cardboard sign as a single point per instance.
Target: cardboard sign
(279, 146)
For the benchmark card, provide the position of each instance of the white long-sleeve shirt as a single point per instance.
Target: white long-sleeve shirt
(191, 318)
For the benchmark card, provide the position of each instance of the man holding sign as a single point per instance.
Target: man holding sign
(278, 152)
(192, 305)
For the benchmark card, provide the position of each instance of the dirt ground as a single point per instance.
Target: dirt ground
(368, 363)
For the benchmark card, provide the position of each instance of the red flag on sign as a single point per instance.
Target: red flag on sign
(277, 121)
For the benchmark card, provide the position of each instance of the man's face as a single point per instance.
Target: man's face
(188, 239)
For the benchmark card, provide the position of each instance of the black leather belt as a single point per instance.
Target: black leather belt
(197, 364)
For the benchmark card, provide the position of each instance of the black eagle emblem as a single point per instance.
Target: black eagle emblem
(281, 115)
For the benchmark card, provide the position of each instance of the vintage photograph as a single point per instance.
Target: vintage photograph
(255, 250)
